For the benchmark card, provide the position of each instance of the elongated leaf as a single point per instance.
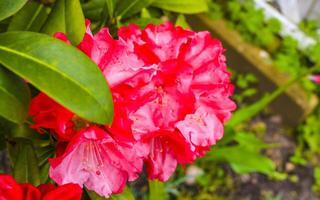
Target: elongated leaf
(61, 71)
(157, 191)
(250, 111)
(23, 131)
(252, 162)
(127, 8)
(10, 7)
(93, 9)
(67, 17)
(30, 18)
(26, 164)
(14, 97)
(44, 173)
(182, 6)
(110, 7)
(143, 22)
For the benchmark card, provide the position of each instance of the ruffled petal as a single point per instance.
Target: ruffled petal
(95, 160)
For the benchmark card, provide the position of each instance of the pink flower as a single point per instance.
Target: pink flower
(96, 160)
(315, 78)
(171, 95)
(185, 99)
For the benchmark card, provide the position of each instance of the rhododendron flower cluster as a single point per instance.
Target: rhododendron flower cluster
(11, 190)
(171, 92)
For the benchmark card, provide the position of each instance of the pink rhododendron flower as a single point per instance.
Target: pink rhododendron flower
(171, 92)
(94, 159)
(315, 78)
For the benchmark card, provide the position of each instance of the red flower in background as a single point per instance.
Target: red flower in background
(171, 96)
(315, 78)
(11, 190)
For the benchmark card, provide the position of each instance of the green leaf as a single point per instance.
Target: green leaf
(246, 113)
(157, 191)
(61, 71)
(181, 21)
(127, 8)
(44, 173)
(143, 22)
(251, 161)
(25, 132)
(67, 17)
(30, 18)
(182, 6)
(110, 7)
(14, 97)
(94, 196)
(26, 164)
(93, 9)
(10, 7)
(126, 194)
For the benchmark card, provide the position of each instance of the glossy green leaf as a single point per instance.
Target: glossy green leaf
(127, 8)
(30, 18)
(182, 6)
(14, 97)
(157, 191)
(26, 164)
(10, 7)
(61, 71)
(67, 17)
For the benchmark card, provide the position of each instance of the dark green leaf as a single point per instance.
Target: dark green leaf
(14, 97)
(43, 154)
(44, 171)
(110, 7)
(182, 6)
(61, 71)
(143, 22)
(23, 131)
(26, 164)
(30, 18)
(10, 7)
(67, 17)
(157, 191)
(93, 9)
(127, 8)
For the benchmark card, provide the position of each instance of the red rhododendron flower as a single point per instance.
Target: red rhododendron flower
(11, 190)
(171, 92)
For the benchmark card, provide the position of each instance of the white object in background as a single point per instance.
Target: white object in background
(297, 10)
(290, 8)
(288, 27)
